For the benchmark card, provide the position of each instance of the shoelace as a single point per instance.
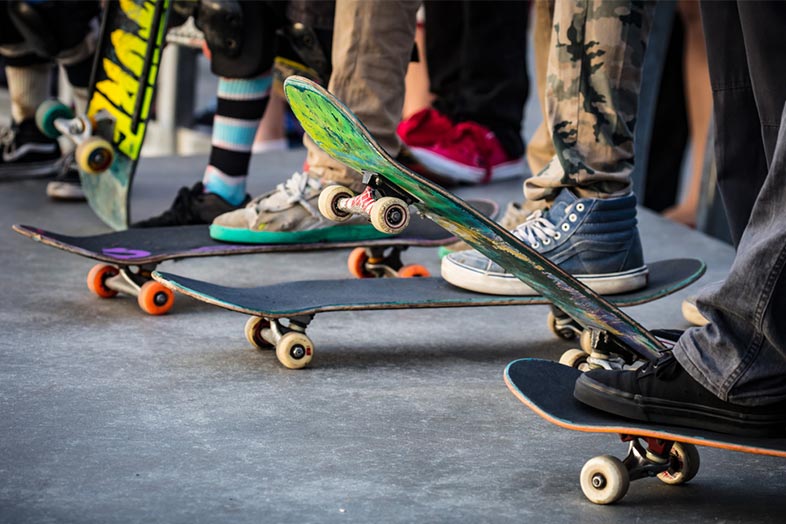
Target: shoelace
(294, 189)
(7, 136)
(537, 229)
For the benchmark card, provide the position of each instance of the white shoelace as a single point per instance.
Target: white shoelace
(293, 191)
(7, 136)
(537, 229)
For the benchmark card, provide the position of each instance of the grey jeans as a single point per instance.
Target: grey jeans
(741, 354)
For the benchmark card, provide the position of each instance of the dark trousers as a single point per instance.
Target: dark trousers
(745, 51)
(476, 54)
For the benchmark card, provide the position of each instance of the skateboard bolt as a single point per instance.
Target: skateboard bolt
(298, 352)
(598, 481)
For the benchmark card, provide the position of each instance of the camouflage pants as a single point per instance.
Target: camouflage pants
(592, 87)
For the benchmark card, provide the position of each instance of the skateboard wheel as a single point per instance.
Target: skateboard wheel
(47, 113)
(390, 215)
(574, 358)
(356, 263)
(328, 203)
(253, 331)
(294, 350)
(604, 479)
(563, 332)
(96, 280)
(413, 270)
(154, 298)
(685, 464)
(94, 155)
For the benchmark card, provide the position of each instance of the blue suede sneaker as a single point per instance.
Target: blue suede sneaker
(596, 240)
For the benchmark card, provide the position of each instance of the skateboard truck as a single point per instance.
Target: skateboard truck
(293, 348)
(606, 479)
(106, 281)
(93, 154)
(388, 214)
(599, 350)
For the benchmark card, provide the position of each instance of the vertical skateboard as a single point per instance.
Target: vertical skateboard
(109, 137)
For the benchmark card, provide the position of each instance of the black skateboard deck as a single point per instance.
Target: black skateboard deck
(299, 302)
(547, 388)
(134, 253)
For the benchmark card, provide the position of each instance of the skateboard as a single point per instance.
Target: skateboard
(129, 257)
(392, 189)
(281, 313)
(109, 137)
(670, 452)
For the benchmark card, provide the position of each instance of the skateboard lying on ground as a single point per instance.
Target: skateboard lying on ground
(128, 257)
(392, 189)
(109, 137)
(282, 312)
(547, 388)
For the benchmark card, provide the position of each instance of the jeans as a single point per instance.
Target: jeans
(740, 355)
(477, 64)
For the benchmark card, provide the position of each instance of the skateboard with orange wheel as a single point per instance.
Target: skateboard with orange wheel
(127, 258)
(109, 136)
(655, 450)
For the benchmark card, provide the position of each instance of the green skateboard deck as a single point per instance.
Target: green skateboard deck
(290, 307)
(338, 132)
(547, 388)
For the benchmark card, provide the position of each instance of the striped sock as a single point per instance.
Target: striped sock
(241, 104)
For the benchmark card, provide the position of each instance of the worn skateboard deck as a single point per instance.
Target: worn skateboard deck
(155, 245)
(547, 388)
(130, 256)
(303, 300)
(339, 133)
(122, 88)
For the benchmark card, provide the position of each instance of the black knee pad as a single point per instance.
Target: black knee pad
(50, 28)
(240, 35)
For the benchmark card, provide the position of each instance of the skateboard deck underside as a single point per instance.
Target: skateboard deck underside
(340, 134)
(315, 296)
(154, 245)
(547, 388)
(122, 86)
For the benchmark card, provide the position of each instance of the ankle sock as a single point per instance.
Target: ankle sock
(241, 104)
(28, 87)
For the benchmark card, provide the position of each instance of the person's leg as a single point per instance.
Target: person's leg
(728, 375)
(243, 92)
(372, 46)
(589, 229)
(540, 148)
(592, 96)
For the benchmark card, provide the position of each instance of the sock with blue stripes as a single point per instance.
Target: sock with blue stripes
(241, 104)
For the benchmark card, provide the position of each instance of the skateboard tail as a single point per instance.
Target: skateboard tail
(339, 133)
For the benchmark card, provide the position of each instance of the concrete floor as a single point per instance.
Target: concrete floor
(109, 415)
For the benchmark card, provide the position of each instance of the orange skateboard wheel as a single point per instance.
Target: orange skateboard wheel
(96, 280)
(413, 270)
(154, 298)
(356, 263)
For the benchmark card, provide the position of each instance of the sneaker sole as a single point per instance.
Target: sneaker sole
(459, 172)
(345, 233)
(661, 411)
(507, 284)
(64, 191)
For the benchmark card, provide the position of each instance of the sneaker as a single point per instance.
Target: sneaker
(192, 206)
(288, 215)
(596, 240)
(664, 393)
(469, 153)
(424, 128)
(25, 151)
(66, 185)
(691, 313)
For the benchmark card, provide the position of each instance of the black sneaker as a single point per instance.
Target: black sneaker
(66, 185)
(663, 392)
(25, 151)
(192, 206)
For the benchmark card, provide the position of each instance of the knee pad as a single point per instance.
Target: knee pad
(240, 36)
